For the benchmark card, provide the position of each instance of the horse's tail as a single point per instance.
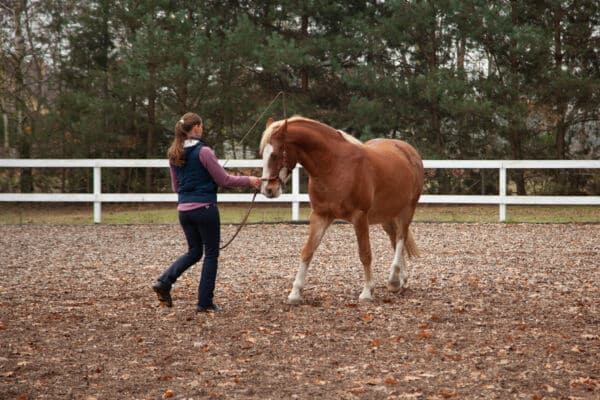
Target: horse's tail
(410, 247)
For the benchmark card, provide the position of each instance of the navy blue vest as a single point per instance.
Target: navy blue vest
(196, 185)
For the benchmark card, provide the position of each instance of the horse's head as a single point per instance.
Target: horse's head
(279, 159)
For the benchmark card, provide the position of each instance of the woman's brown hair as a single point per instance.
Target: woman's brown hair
(182, 127)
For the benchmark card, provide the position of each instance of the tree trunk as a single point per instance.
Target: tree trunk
(24, 150)
(517, 154)
(304, 70)
(151, 113)
(182, 96)
(515, 131)
(561, 132)
(561, 107)
(560, 103)
(5, 126)
(436, 124)
(460, 54)
(23, 146)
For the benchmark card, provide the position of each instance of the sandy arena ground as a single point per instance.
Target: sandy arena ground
(492, 311)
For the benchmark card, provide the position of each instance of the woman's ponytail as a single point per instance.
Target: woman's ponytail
(182, 127)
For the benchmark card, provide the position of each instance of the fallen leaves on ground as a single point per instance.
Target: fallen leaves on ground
(491, 311)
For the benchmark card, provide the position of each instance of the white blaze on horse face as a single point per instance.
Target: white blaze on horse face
(266, 186)
(266, 172)
(266, 155)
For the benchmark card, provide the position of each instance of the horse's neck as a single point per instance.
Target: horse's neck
(316, 152)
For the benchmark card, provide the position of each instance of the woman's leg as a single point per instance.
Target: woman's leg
(210, 230)
(188, 221)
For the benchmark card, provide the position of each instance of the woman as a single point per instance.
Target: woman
(196, 175)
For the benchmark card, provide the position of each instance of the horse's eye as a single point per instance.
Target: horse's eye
(274, 156)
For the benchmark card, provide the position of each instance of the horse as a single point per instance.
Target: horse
(376, 182)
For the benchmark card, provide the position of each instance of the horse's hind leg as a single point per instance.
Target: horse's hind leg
(398, 277)
(390, 229)
(317, 228)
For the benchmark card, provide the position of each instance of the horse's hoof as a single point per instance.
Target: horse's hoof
(394, 287)
(366, 296)
(294, 301)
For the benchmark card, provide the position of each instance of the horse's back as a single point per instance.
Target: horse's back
(394, 146)
(396, 154)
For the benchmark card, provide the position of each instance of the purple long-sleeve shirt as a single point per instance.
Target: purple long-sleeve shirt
(222, 178)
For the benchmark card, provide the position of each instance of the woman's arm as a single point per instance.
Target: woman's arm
(210, 162)
(174, 181)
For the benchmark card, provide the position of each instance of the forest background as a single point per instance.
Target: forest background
(472, 79)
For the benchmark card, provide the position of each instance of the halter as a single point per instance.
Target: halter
(279, 166)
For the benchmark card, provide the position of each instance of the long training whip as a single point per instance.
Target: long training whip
(260, 117)
(245, 219)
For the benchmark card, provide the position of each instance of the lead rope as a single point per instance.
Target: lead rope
(243, 223)
(245, 219)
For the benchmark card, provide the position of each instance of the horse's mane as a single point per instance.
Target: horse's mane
(266, 137)
(348, 137)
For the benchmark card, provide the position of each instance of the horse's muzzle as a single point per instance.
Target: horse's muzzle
(272, 187)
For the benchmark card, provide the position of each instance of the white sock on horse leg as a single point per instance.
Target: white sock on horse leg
(398, 276)
(295, 297)
(367, 293)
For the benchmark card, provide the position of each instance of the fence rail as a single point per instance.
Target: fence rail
(295, 197)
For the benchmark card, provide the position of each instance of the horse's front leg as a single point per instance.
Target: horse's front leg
(361, 228)
(317, 228)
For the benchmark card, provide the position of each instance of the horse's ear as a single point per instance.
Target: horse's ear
(280, 131)
(269, 122)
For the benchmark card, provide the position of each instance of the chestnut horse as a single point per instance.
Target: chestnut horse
(378, 182)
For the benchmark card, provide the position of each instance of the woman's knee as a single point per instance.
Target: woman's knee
(195, 253)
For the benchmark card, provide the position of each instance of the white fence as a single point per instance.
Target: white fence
(295, 197)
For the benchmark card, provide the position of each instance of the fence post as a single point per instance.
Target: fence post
(502, 190)
(97, 190)
(296, 194)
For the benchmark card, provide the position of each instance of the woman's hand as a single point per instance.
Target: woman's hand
(255, 182)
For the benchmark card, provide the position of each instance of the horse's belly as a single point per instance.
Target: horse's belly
(381, 204)
(383, 210)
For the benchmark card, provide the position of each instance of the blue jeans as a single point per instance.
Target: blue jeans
(202, 228)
